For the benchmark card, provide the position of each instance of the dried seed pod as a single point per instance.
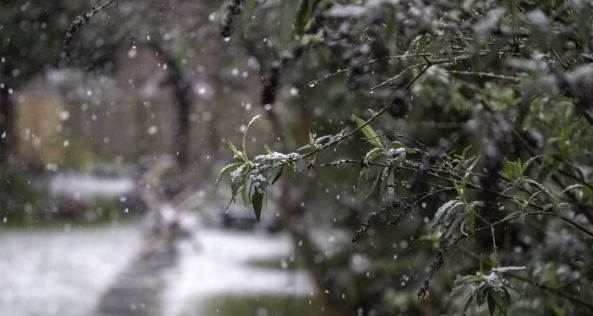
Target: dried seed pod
(358, 58)
(399, 104)
(271, 81)
(233, 9)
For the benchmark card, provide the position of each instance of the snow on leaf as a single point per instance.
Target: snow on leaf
(244, 142)
(442, 212)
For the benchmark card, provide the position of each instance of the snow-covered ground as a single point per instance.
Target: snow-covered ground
(65, 272)
(61, 271)
(86, 186)
(219, 264)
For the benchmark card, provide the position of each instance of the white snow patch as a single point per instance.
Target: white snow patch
(82, 186)
(220, 266)
(61, 272)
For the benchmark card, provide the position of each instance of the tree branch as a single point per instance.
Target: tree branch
(75, 26)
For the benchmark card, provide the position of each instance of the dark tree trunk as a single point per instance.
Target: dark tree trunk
(292, 214)
(6, 124)
(183, 106)
(183, 103)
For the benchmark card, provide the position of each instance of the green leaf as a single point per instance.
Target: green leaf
(227, 169)
(374, 154)
(277, 176)
(364, 172)
(512, 169)
(506, 298)
(423, 43)
(312, 138)
(376, 187)
(464, 152)
(459, 188)
(468, 279)
(291, 168)
(235, 151)
(305, 148)
(491, 303)
(245, 190)
(481, 293)
(239, 182)
(304, 15)
(368, 131)
(467, 226)
(244, 142)
(257, 202)
(470, 169)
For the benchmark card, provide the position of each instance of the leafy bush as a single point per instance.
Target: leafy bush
(504, 169)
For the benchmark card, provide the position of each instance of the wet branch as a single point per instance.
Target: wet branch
(78, 22)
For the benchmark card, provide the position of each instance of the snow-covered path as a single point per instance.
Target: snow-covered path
(66, 272)
(61, 271)
(218, 264)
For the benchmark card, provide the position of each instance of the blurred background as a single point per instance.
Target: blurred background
(112, 137)
(107, 197)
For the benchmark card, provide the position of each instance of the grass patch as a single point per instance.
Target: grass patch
(276, 263)
(261, 305)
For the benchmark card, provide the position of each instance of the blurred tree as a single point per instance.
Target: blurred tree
(30, 42)
(181, 85)
(148, 24)
(469, 121)
(33, 42)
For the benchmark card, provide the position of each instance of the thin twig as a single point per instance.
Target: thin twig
(75, 26)
(512, 198)
(543, 287)
(427, 63)
(401, 73)
(484, 75)
(548, 289)
(348, 134)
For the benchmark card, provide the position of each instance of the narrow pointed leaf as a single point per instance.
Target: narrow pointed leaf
(368, 132)
(257, 202)
(226, 170)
